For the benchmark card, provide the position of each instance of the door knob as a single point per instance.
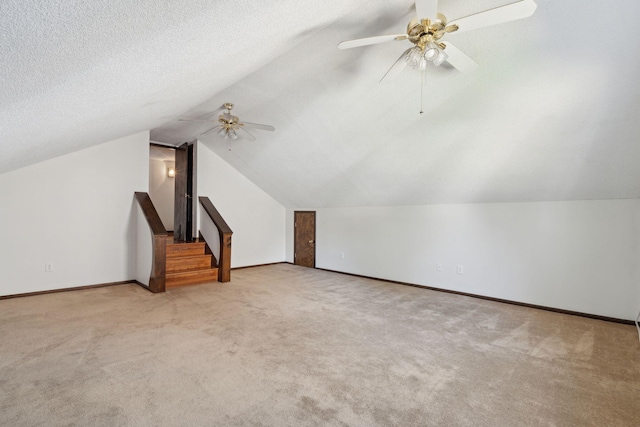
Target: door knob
(310, 241)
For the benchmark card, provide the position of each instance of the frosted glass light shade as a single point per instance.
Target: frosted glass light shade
(442, 56)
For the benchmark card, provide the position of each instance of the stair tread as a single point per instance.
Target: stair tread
(177, 250)
(170, 239)
(191, 277)
(187, 257)
(192, 271)
(195, 242)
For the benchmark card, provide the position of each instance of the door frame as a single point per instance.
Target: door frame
(295, 236)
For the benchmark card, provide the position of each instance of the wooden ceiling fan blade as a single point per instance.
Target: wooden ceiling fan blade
(257, 126)
(499, 15)
(427, 9)
(251, 137)
(397, 67)
(458, 59)
(207, 131)
(370, 40)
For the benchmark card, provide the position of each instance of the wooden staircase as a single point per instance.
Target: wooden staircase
(188, 264)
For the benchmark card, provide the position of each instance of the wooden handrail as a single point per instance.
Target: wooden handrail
(158, 273)
(224, 258)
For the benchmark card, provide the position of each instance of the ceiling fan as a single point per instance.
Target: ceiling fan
(228, 125)
(429, 27)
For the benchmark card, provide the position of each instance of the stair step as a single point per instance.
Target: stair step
(194, 262)
(185, 249)
(191, 277)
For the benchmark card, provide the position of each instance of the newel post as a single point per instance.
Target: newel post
(224, 233)
(224, 270)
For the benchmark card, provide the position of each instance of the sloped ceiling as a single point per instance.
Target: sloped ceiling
(551, 113)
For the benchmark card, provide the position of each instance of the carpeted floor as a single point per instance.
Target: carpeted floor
(283, 345)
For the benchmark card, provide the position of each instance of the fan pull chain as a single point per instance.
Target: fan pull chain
(422, 83)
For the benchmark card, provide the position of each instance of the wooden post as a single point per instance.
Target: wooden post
(224, 263)
(224, 269)
(157, 277)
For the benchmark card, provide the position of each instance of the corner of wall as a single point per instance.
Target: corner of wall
(76, 213)
(258, 220)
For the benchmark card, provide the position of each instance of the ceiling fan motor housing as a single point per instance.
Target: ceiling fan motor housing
(228, 119)
(422, 32)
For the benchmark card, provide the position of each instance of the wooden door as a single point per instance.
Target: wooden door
(189, 217)
(182, 229)
(305, 239)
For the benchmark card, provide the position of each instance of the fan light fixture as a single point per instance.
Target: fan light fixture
(418, 58)
(427, 29)
(228, 125)
(227, 133)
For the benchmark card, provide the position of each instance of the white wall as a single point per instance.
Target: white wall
(256, 219)
(290, 234)
(75, 211)
(162, 191)
(579, 255)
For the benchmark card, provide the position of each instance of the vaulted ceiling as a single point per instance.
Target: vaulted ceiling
(551, 113)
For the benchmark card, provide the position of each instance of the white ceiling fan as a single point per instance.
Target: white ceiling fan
(429, 27)
(228, 125)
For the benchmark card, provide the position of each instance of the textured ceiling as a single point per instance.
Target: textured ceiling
(551, 113)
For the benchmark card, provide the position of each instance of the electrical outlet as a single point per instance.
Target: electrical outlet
(460, 269)
(341, 255)
(439, 267)
(48, 267)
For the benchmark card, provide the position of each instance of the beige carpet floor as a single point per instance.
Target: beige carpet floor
(287, 346)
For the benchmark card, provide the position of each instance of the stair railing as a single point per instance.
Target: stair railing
(220, 245)
(151, 252)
